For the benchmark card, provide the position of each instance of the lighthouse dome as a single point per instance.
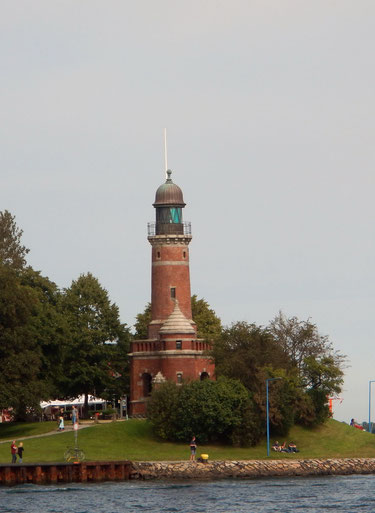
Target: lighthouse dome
(169, 193)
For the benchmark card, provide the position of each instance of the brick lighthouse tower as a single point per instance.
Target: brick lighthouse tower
(172, 350)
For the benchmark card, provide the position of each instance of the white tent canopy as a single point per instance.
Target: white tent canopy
(78, 401)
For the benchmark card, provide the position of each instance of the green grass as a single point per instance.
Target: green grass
(133, 440)
(13, 430)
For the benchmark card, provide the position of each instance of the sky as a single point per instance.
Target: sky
(270, 114)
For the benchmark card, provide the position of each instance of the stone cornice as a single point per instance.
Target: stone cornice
(179, 353)
(169, 240)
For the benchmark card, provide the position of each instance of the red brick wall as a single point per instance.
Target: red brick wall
(191, 366)
(170, 269)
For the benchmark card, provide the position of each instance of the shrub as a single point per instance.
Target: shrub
(109, 411)
(213, 411)
(162, 410)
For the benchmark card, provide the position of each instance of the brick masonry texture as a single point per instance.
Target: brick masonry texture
(166, 274)
(250, 469)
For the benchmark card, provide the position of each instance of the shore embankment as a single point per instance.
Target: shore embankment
(251, 468)
(99, 471)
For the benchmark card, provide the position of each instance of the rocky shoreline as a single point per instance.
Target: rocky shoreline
(250, 469)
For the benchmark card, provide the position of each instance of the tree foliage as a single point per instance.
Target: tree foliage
(213, 411)
(119, 367)
(54, 344)
(301, 339)
(49, 329)
(318, 366)
(20, 387)
(243, 349)
(95, 326)
(12, 252)
(143, 319)
(208, 323)
(321, 378)
(287, 348)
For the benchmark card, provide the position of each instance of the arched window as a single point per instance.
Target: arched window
(147, 384)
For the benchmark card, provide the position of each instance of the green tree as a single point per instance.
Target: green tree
(295, 352)
(322, 378)
(243, 349)
(208, 323)
(95, 326)
(286, 398)
(301, 339)
(12, 252)
(163, 410)
(142, 321)
(319, 367)
(48, 328)
(213, 411)
(119, 367)
(20, 358)
(29, 326)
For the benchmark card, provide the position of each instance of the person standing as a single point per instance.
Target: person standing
(61, 424)
(13, 451)
(193, 448)
(20, 452)
(74, 415)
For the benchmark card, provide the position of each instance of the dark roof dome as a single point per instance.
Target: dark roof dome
(169, 193)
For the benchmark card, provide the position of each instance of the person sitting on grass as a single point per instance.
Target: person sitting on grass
(284, 448)
(276, 446)
(292, 447)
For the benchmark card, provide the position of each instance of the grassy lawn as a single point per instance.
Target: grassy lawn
(13, 430)
(133, 440)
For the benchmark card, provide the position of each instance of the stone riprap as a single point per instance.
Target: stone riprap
(250, 469)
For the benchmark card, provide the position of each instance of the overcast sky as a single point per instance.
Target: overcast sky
(269, 107)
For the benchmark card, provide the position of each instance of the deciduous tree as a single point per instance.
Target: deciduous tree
(95, 326)
(12, 251)
(143, 319)
(208, 323)
(211, 410)
(301, 339)
(243, 349)
(48, 328)
(20, 357)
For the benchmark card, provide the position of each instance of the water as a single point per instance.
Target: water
(314, 494)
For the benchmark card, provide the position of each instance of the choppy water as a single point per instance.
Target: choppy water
(336, 493)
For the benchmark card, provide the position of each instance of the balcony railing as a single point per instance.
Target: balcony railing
(164, 345)
(169, 229)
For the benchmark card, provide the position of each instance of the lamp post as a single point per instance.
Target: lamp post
(369, 404)
(268, 414)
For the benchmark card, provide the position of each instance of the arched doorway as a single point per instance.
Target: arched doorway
(204, 375)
